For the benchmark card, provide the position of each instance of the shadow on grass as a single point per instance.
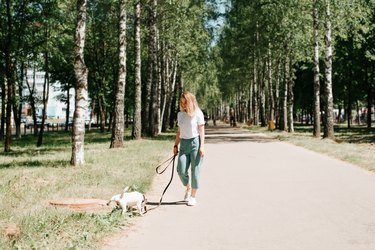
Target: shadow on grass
(355, 134)
(37, 163)
(164, 137)
(27, 151)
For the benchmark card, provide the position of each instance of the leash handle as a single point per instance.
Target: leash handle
(161, 164)
(171, 160)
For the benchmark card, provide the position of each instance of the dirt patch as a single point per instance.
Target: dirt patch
(83, 205)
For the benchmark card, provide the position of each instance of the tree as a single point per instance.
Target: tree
(137, 118)
(315, 29)
(9, 67)
(328, 95)
(118, 118)
(81, 102)
(152, 81)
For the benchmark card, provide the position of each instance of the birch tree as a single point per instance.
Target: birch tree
(315, 29)
(118, 117)
(137, 118)
(8, 78)
(81, 96)
(147, 126)
(328, 95)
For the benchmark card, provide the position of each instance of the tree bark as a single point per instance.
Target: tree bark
(262, 95)
(45, 99)
(3, 108)
(369, 96)
(284, 120)
(147, 116)
(8, 80)
(316, 132)
(156, 84)
(137, 125)
(117, 140)
(329, 130)
(290, 98)
(81, 95)
(255, 93)
(271, 114)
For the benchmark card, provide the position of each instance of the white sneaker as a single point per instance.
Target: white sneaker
(192, 201)
(187, 195)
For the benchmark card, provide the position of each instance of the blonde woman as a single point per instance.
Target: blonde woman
(190, 136)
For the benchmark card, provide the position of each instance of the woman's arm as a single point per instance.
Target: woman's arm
(176, 142)
(201, 137)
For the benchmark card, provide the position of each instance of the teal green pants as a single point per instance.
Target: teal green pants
(189, 157)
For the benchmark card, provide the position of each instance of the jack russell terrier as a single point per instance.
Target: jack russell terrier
(129, 199)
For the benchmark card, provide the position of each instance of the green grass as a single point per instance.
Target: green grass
(355, 145)
(31, 177)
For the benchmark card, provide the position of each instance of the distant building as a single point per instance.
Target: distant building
(56, 109)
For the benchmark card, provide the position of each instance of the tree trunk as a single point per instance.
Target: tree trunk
(32, 101)
(285, 96)
(349, 106)
(17, 107)
(117, 140)
(8, 80)
(81, 97)
(67, 109)
(45, 98)
(255, 93)
(147, 117)
(174, 98)
(156, 84)
(137, 125)
(3, 105)
(290, 98)
(329, 130)
(369, 97)
(316, 132)
(102, 113)
(172, 95)
(271, 113)
(262, 96)
(277, 95)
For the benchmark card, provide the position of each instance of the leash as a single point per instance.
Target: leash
(169, 161)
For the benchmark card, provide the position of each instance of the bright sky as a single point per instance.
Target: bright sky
(218, 23)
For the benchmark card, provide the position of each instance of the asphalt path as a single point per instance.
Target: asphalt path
(259, 193)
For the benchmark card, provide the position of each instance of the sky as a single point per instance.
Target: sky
(218, 23)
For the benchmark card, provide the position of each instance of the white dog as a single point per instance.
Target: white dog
(130, 199)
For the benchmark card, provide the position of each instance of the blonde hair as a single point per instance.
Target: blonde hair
(191, 103)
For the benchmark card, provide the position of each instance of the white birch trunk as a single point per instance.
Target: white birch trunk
(317, 128)
(137, 126)
(117, 140)
(81, 98)
(328, 131)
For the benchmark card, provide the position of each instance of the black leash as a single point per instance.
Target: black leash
(170, 161)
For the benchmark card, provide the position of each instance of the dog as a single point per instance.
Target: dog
(129, 199)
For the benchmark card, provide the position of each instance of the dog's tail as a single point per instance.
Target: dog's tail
(126, 189)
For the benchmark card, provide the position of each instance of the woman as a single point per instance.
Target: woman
(190, 136)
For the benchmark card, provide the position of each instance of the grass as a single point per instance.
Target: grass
(355, 145)
(31, 177)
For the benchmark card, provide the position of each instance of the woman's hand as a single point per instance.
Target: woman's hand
(201, 151)
(175, 149)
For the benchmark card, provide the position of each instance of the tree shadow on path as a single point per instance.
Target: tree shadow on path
(226, 134)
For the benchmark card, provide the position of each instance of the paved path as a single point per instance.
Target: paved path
(258, 193)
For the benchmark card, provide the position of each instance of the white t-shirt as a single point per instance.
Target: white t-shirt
(189, 124)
